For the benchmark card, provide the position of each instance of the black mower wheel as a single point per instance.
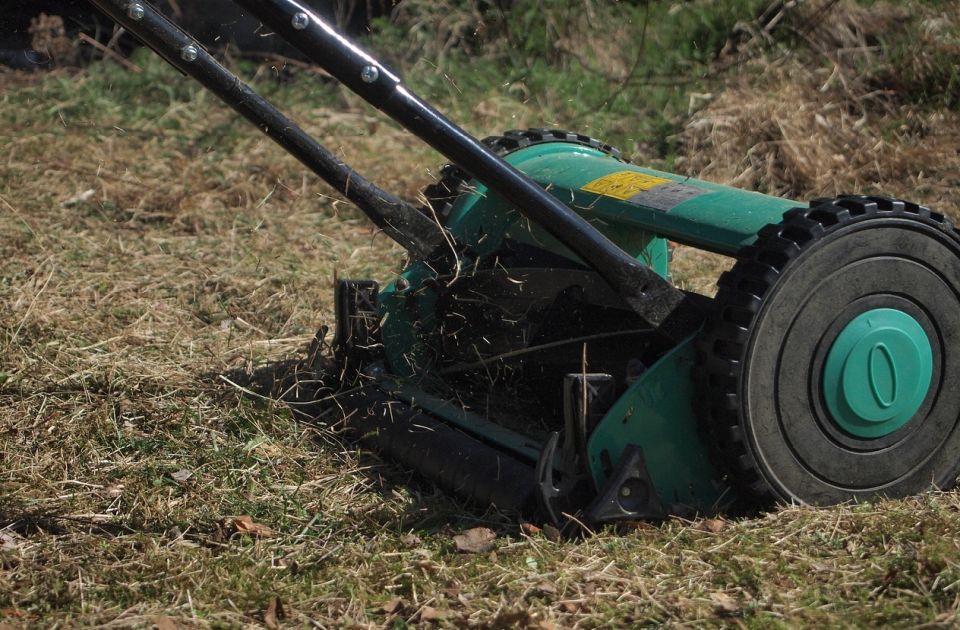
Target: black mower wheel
(453, 180)
(831, 360)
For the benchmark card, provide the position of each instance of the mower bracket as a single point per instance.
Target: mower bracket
(629, 494)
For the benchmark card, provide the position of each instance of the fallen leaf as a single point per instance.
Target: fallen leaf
(529, 529)
(429, 613)
(411, 540)
(547, 625)
(394, 605)
(181, 475)
(551, 533)
(164, 623)
(113, 491)
(78, 199)
(715, 525)
(3, 377)
(246, 525)
(512, 618)
(274, 614)
(546, 587)
(571, 607)
(8, 542)
(476, 540)
(725, 603)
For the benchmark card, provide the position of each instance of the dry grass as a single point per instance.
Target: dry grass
(204, 254)
(848, 115)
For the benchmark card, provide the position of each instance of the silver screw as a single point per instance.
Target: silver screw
(300, 21)
(189, 53)
(625, 491)
(135, 11)
(369, 74)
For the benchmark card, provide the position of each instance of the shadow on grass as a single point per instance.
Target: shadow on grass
(313, 403)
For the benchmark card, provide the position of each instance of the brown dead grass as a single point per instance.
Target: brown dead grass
(203, 260)
(852, 123)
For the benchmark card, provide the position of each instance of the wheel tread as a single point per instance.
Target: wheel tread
(739, 299)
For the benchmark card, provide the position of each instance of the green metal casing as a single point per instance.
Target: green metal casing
(656, 412)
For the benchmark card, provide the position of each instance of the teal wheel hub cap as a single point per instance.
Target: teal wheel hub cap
(877, 373)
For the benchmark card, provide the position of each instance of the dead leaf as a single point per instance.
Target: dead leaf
(246, 525)
(546, 587)
(551, 533)
(274, 614)
(714, 525)
(394, 605)
(512, 618)
(8, 542)
(429, 613)
(547, 625)
(181, 475)
(78, 199)
(164, 623)
(411, 540)
(114, 491)
(725, 603)
(529, 529)
(476, 540)
(571, 607)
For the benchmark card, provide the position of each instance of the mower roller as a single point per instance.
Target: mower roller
(534, 354)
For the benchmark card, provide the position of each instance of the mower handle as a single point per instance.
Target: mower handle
(653, 298)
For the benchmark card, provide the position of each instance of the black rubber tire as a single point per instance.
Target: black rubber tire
(778, 311)
(453, 180)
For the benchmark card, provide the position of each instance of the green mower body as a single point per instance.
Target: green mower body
(658, 399)
(638, 209)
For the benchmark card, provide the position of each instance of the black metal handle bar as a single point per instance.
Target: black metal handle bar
(654, 299)
(402, 222)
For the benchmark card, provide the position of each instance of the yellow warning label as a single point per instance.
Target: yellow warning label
(624, 184)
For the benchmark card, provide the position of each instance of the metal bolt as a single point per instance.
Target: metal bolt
(402, 283)
(625, 491)
(300, 21)
(136, 11)
(369, 74)
(189, 53)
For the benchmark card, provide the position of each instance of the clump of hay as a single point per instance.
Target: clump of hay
(875, 118)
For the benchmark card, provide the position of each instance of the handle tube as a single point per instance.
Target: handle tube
(399, 220)
(654, 299)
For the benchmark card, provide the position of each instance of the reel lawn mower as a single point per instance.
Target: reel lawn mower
(535, 356)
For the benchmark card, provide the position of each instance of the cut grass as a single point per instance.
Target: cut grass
(205, 257)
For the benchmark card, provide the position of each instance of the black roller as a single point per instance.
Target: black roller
(457, 462)
(780, 312)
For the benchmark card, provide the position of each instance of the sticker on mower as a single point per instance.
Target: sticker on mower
(645, 190)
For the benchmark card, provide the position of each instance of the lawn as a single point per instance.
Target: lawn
(161, 259)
